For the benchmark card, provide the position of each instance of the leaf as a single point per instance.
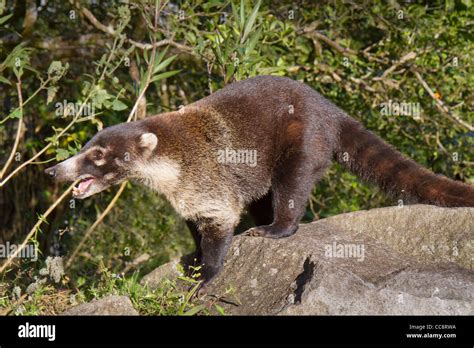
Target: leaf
(230, 72)
(164, 75)
(242, 13)
(252, 42)
(4, 80)
(164, 64)
(250, 22)
(100, 97)
(228, 49)
(18, 51)
(5, 18)
(17, 113)
(160, 57)
(51, 94)
(220, 309)
(194, 310)
(61, 154)
(117, 105)
(235, 13)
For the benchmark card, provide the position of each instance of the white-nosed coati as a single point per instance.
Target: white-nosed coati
(199, 158)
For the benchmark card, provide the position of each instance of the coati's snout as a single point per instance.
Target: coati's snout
(106, 160)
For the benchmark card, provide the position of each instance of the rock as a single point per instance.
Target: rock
(372, 263)
(110, 305)
(54, 268)
(429, 233)
(167, 271)
(35, 285)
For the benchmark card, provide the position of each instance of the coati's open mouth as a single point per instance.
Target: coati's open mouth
(81, 189)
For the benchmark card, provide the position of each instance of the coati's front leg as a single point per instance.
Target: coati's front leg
(215, 240)
(193, 228)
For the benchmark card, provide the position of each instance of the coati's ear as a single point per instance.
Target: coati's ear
(148, 141)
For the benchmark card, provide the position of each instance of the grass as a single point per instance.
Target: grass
(143, 227)
(170, 297)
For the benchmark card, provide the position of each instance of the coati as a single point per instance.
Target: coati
(196, 158)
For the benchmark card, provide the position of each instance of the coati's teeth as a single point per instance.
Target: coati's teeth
(82, 186)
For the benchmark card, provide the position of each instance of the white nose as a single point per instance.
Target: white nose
(51, 171)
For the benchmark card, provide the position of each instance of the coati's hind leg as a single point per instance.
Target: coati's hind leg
(292, 184)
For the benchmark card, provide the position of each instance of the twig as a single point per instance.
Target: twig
(7, 310)
(311, 30)
(40, 88)
(148, 46)
(64, 130)
(144, 46)
(35, 227)
(123, 185)
(439, 104)
(96, 223)
(403, 60)
(333, 44)
(44, 149)
(31, 160)
(18, 132)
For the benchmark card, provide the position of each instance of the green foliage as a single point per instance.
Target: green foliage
(44, 297)
(141, 223)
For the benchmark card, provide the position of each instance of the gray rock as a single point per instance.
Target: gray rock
(54, 268)
(110, 305)
(167, 271)
(372, 263)
(429, 233)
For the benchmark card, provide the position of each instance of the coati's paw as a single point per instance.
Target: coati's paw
(271, 231)
(257, 231)
(201, 291)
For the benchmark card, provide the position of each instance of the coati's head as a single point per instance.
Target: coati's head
(107, 159)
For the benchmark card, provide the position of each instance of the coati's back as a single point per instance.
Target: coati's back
(266, 114)
(276, 114)
(260, 110)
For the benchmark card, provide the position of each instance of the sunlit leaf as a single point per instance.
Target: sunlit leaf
(61, 154)
(250, 22)
(164, 75)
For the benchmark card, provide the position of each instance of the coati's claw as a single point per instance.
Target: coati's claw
(271, 231)
(255, 232)
(201, 291)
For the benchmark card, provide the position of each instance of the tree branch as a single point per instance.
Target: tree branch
(143, 46)
(123, 185)
(409, 56)
(96, 223)
(36, 226)
(440, 105)
(18, 132)
(311, 31)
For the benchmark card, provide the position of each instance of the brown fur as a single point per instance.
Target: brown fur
(374, 160)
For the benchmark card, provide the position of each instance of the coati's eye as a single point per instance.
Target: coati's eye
(97, 155)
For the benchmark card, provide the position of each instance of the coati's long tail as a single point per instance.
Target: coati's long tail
(372, 159)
